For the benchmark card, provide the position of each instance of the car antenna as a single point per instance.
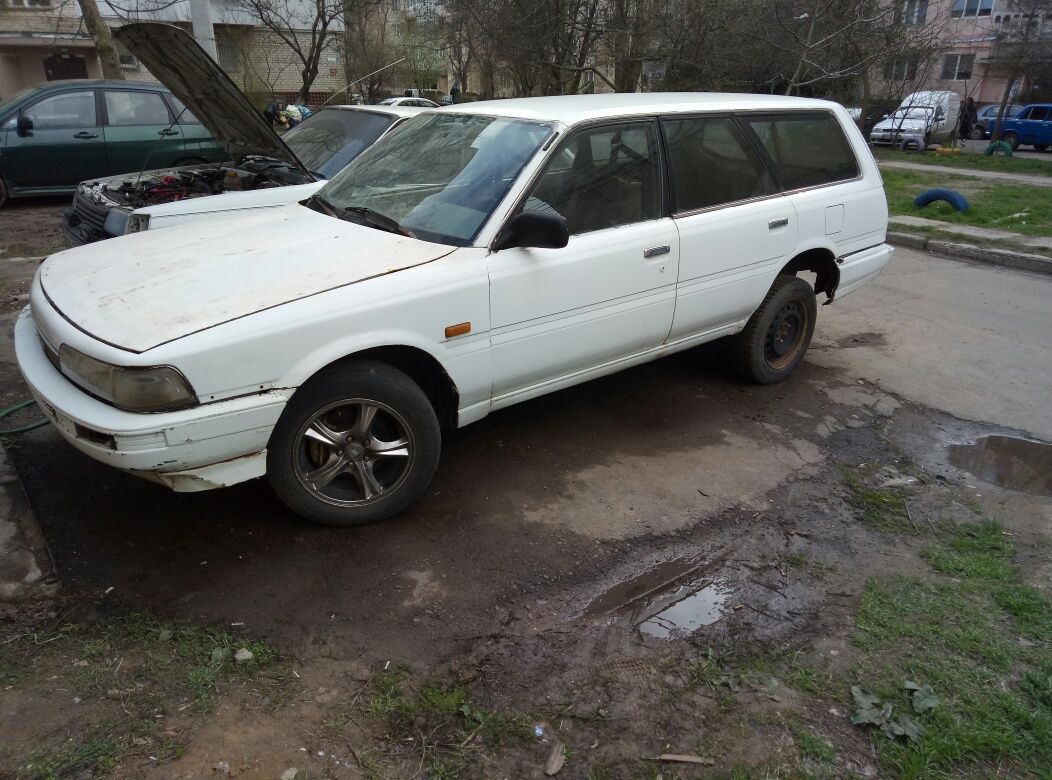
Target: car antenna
(163, 135)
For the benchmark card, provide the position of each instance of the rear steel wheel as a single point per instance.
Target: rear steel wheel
(778, 333)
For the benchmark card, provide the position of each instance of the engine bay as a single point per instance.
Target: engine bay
(168, 186)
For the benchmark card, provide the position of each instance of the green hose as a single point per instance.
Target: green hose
(23, 428)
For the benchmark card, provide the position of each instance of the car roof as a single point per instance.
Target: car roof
(389, 110)
(571, 109)
(64, 83)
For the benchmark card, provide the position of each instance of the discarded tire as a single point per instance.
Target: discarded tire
(998, 146)
(955, 199)
(912, 143)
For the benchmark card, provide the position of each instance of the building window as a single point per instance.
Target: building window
(29, 3)
(127, 59)
(964, 9)
(226, 50)
(958, 67)
(901, 68)
(913, 13)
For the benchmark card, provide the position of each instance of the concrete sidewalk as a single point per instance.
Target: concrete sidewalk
(1043, 243)
(27, 572)
(1001, 176)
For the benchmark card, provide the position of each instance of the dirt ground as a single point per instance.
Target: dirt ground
(663, 563)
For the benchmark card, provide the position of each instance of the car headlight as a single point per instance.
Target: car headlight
(154, 389)
(137, 222)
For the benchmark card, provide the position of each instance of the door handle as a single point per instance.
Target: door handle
(168, 131)
(85, 134)
(774, 224)
(656, 251)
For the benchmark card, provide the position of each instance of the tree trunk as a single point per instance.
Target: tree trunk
(995, 134)
(108, 58)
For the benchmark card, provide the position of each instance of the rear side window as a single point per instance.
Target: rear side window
(183, 114)
(807, 149)
(126, 109)
(712, 163)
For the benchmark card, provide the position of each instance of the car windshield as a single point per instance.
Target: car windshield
(438, 178)
(912, 112)
(330, 139)
(15, 98)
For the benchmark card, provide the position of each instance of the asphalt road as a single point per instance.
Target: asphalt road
(537, 503)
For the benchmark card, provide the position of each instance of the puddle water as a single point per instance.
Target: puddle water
(670, 600)
(1017, 464)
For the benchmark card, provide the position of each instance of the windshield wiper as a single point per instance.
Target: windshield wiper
(375, 219)
(327, 207)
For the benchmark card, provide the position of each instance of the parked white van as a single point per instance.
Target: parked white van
(926, 116)
(482, 255)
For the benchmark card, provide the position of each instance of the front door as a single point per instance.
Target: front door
(64, 146)
(611, 291)
(140, 133)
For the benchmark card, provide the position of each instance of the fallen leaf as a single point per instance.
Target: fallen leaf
(904, 727)
(864, 699)
(556, 758)
(924, 699)
(678, 758)
(871, 716)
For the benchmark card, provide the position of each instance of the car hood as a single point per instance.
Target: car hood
(142, 290)
(178, 62)
(231, 201)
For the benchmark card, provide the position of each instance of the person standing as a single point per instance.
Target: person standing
(969, 117)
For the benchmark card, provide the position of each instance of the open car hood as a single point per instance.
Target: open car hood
(178, 62)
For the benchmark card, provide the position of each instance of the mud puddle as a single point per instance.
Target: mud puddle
(1008, 461)
(670, 600)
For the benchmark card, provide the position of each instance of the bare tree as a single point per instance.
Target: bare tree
(1023, 48)
(305, 26)
(108, 57)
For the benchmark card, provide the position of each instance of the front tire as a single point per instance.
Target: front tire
(778, 333)
(1011, 139)
(357, 444)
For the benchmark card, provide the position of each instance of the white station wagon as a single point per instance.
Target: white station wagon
(483, 255)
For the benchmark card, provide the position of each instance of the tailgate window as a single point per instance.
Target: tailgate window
(807, 149)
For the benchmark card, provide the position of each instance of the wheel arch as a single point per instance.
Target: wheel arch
(420, 366)
(821, 261)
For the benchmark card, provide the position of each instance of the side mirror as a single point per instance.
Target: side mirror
(25, 124)
(535, 229)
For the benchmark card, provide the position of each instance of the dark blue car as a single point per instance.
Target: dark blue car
(1032, 126)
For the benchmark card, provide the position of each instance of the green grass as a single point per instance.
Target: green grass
(999, 164)
(454, 723)
(1017, 208)
(957, 632)
(143, 666)
(882, 509)
(812, 745)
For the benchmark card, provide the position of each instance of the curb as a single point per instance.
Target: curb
(982, 254)
(27, 571)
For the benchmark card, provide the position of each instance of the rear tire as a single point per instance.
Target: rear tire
(1041, 147)
(357, 444)
(778, 333)
(3, 194)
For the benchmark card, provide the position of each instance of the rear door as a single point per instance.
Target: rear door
(140, 132)
(64, 146)
(733, 224)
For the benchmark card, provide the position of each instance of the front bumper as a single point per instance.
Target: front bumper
(207, 446)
